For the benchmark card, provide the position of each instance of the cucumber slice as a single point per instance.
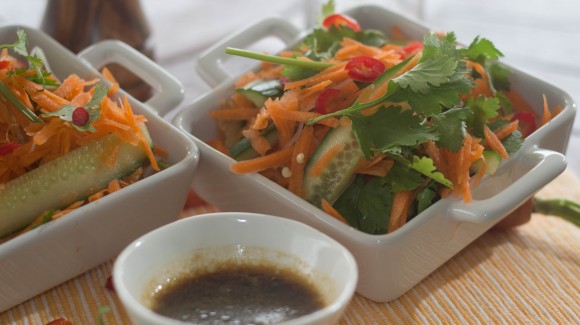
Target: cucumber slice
(243, 150)
(340, 171)
(66, 179)
(492, 161)
(259, 91)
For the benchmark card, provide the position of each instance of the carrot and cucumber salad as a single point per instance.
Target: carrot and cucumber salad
(374, 128)
(63, 143)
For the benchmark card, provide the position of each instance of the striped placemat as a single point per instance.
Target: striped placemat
(526, 275)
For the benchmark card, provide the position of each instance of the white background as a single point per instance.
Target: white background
(541, 37)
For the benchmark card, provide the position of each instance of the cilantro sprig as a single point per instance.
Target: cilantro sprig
(34, 62)
(93, 107)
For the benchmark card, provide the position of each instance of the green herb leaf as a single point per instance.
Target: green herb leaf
(426, 197)
(327, 9)
(500, 77)
(480, 50)
(19, 47)
(451, 127)
(425, 166)
(391, 128)
(93, 107)
(484, 108)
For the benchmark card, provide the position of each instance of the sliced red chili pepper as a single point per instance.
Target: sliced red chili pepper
(364, 68)
(328, 101)
(8, 148)
(410, 49)
(109, 284)
(339, 20)
(60, 321)
(526, 122)
(80, 116)
(4, 64)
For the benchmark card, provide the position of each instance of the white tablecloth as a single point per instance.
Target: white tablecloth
(541, 37)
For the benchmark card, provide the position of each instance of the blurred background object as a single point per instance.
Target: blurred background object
(77, 24)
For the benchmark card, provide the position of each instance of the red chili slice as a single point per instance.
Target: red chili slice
(339, 20)
(331, 100)
(109, 284)
(8, 148)
(410, 49)
(60, 321)
(364, 68)
(4, 64)
(526, 122)
(80, 116)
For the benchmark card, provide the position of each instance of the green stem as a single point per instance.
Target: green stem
(18, 104)
(314, 65)
(562, 208)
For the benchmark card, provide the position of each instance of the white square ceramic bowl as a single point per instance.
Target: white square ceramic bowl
(389, 264)
(62, 249)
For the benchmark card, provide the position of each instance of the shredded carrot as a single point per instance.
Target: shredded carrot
(300, 156)
(330, 210)
(506, 130)
(381, 168)
(300, 116)
(258, 142)
(401, 203)
(335, 73)
(241, 113)
(273, 159)
(321, 164)
(494, 143)
(547, 115)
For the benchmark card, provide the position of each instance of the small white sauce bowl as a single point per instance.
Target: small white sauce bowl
(167, 252)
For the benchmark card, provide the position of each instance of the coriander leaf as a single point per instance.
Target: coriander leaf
(327, 9)
(500, 77)
(432, 101)
(504, 103)
(372, 37)
(93, 107)
(389, 128)
(425, 166)
(451, 127)
(425, 197)
(484, 108)
(19, 47)
(98, 95)
(374, 205)
(403, 178)
(347, 202)
(480, 50)
(427, 73)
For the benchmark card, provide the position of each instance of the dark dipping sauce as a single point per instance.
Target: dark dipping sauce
(239, 294)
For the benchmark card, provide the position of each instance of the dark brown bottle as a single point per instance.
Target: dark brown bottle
(76, 24)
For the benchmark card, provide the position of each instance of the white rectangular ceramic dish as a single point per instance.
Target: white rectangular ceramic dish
(393, 263)
(61, 249)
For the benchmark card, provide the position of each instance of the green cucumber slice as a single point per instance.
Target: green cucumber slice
(243, 150)
(65, 180)
(259, 91)
(339, 172)
(492, 161)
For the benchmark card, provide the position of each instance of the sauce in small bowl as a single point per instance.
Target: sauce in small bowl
(235, 268)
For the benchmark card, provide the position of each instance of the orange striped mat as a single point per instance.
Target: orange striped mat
(528, 275)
